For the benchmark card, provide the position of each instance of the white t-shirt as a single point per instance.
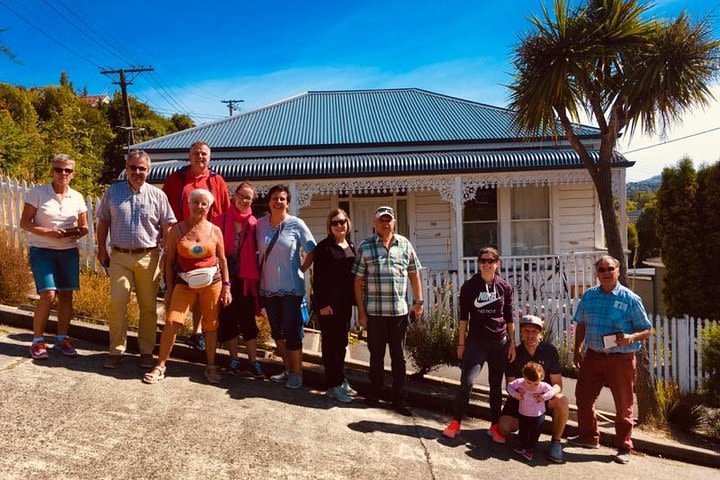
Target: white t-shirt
(52, 212)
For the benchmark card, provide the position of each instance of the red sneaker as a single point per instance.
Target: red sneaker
(38, 351)
(495, 434)
(452, 429)
(66, 348)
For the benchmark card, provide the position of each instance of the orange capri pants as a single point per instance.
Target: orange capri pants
(184, 297)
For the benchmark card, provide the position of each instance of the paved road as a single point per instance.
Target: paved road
(69, 418)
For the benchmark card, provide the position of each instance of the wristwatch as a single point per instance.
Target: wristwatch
(418, 302)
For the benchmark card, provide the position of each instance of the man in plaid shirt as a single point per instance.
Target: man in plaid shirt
(383, 265)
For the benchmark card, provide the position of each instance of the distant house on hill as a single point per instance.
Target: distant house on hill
(457, 174)
(95, 100)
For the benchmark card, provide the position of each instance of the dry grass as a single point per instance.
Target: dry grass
(92, 300)
(15, 278)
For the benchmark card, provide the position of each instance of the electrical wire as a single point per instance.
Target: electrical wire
(671, 141)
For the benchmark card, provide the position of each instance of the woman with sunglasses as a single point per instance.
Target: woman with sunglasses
(55, 216)
(333, 300)
(486, 334)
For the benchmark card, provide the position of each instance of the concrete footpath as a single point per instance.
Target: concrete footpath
(183, 427)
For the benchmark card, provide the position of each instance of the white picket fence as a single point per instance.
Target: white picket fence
(675, 349)
(12, 195)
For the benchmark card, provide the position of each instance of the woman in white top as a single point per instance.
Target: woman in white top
(55, 217)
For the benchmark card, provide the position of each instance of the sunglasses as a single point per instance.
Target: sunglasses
(335, 223)
(603, 269)
(137, 168)
(487, 261)
(63, 170)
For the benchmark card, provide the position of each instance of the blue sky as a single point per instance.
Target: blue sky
(262, 52)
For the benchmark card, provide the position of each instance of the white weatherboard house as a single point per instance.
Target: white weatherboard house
(456, 173)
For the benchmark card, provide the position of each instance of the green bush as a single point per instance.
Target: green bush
(15, 277)
(711, 361)
(432, 342)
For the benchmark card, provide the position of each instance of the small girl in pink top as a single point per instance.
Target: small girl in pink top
(531, 393)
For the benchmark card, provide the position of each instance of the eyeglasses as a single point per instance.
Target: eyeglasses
(487, 261)
(137, 168)
(335, 223)
(604, 269)
(63, 170)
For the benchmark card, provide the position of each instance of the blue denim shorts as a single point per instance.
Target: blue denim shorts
(55, 269)
(285, 319)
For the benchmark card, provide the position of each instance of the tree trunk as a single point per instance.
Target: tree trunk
(648, 407)
(644, 387)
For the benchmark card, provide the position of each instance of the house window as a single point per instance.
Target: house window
(480, 222)
(530, 220)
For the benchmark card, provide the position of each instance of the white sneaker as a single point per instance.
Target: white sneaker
(280, 377)
(338, 393)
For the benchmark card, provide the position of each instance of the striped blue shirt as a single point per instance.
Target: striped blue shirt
(621, 310)
(136, 219)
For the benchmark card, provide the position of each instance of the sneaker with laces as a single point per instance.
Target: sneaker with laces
(66, 348)
(293, 381)
(452, 429)
(348, 388)
(494, 433)
(38, 351)
(622, 457)
(280, 377)
(256, 370)
(339, 394)
(555, 453)
(578, 441)
(234, 367)
(528, 454)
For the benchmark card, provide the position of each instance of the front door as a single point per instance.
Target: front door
(363, 215)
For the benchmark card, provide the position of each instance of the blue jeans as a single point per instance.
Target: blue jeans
(285, 319)
(477, 352)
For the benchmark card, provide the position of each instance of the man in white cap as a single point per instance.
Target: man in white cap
(383, 265)
(532, 349)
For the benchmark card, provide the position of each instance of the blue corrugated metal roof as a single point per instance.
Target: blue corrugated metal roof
(355, 117)
(385, 164)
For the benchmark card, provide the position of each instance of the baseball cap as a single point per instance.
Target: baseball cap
(531, 320)
(385, 211)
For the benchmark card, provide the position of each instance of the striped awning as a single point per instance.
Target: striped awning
(386, 164)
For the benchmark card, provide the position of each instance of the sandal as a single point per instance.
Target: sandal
(154, 375)
(212, 375)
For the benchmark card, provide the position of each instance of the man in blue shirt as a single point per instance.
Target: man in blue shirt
(611, 324)
(136, 215)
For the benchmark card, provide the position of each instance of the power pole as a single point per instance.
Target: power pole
(231, 105)
(123, 81)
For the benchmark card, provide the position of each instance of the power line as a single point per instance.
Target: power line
(231, 105)
(23, 18)
(124, 82)
(671, 141)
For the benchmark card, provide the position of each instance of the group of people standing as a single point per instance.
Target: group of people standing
(224, 266)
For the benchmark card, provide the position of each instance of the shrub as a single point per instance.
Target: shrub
(711, 361)
(15, 278)
(432, 342)
(92, 300)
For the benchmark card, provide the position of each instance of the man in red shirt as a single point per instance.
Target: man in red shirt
(178, 186)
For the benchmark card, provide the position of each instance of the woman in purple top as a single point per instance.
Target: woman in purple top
(486, 334)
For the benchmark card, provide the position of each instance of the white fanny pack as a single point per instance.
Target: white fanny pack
(200, 277)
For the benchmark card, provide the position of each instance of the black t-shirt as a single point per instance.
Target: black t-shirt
(546, 355)
(487, 307)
